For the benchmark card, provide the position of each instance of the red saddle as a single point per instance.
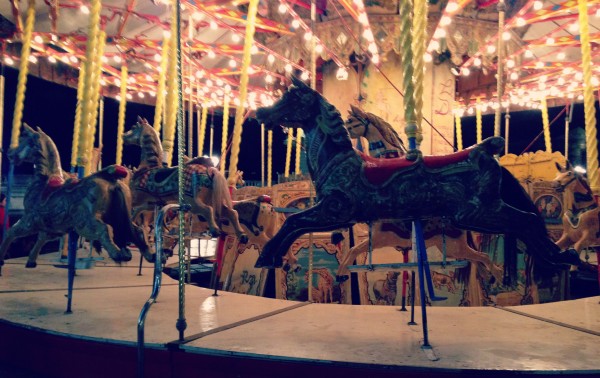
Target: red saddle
(54, 183)
(378, 171)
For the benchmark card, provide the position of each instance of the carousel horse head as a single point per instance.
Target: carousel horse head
(568, 177)
(31, 144)
(297, 105)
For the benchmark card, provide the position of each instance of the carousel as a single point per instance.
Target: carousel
(401, 228)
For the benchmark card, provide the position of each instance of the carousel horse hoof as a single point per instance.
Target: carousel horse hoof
(342, 279)
(277, 261)
(336, 237)
(167, 252)
(568, 257)
(264, 262)
(30, 264)
(125, 255)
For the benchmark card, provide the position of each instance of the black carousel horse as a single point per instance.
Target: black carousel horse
(468, 187)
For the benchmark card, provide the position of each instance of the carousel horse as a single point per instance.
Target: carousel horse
(145, 217)
(385, 142)
(257, 217)
(469, 188)
(97, 207)
(205, 187)
(581, 220)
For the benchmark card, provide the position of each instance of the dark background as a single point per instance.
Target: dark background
(52, 107)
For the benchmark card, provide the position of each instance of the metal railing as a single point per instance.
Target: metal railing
(158, 221)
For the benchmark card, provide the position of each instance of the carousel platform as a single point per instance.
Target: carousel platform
(234, 335)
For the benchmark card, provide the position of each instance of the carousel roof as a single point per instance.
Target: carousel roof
(541, 55)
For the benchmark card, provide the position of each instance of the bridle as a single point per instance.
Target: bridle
(363, 122)
(562, 187)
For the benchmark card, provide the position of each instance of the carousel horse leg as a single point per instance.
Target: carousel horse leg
(295, 225)
(71, 259)
(20, 229)
(233, 217)
(207, 213)
(527, 227)
(35, 250)
(95, 229)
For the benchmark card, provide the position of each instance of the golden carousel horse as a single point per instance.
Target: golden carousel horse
(581, 219)
(469, 187)
(385, 142)
(97, 207)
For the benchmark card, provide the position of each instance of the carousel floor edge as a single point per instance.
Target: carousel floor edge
(238, 335)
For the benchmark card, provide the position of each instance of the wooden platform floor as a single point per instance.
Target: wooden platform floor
(237, 335)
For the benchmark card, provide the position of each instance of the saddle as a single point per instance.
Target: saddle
(378, 171)
(56, 182)
(164, 181)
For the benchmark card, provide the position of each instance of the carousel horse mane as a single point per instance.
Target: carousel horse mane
(332, 124)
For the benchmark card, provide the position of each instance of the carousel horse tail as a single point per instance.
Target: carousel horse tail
(536, 236)
(220, 192)
(118, 216)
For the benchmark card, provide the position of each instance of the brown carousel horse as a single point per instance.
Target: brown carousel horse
(581, 220)
(97, 207)
(469, 188)
(384, 142)
(205, 187)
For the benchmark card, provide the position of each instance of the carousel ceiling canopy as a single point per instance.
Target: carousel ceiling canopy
(540, 53)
